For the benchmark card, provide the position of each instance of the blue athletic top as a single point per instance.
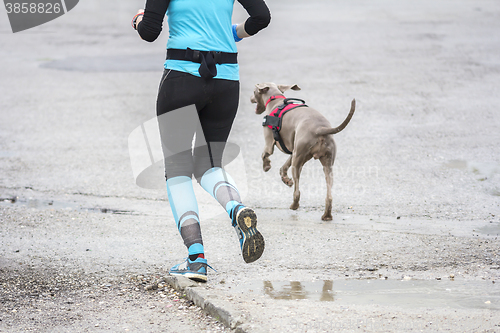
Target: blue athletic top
(203, 25)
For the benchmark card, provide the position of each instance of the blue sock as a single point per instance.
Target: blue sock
(185, 210)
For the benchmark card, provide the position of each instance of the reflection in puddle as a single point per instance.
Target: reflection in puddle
(300, 290)
(411, 293)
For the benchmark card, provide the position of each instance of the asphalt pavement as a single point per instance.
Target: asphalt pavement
(413, 245)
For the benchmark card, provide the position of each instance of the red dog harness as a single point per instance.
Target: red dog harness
(274, 119)
(272, 98)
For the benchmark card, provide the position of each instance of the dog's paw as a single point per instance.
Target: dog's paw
(294, 206)
(327, 217)
(287, 181)
(266, 167)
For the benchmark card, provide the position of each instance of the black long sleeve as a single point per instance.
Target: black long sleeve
(152, 22)
(150, 27)
(259, 15)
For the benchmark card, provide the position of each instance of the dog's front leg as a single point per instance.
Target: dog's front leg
(284, 172)
(268, 151)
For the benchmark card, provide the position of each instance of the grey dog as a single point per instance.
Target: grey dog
(305, 132)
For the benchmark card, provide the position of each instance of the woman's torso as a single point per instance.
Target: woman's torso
(201, 25)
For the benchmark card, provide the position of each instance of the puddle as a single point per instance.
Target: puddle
(482, 170)
(109, 211)
(113, 63)
(492, 229)
(8, 154)
(401, 293)
(456, 164)
(51, 204)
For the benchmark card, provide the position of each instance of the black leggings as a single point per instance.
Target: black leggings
(216, 102)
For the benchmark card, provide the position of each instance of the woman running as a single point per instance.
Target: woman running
(201, 69)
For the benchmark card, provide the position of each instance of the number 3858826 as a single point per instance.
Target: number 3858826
(33, 8)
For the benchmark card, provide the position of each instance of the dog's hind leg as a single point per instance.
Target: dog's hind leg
(297, 164)
(327, 163)
(284, 172)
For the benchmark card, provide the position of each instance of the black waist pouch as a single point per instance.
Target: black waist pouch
(206, 59)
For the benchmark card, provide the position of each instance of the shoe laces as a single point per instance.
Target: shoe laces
(189, 261)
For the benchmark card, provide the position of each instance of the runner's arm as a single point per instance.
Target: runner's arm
(150, 25)
(258, 20)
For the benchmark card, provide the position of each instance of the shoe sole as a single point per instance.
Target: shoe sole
(253, 242)
(193, 276)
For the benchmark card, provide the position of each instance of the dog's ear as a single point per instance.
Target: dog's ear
(284, 87)
(263, 88)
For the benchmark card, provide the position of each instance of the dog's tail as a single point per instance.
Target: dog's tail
(326, 131)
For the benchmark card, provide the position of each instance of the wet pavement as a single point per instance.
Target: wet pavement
(401, 293)
(413, 245)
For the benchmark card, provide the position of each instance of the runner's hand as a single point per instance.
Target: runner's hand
(139, 17)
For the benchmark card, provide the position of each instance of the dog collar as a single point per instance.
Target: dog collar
(272, 98)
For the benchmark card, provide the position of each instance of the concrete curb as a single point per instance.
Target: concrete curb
(209, 302)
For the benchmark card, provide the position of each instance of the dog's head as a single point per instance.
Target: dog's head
(263, 91)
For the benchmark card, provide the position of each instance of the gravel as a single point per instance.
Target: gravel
(49, 300)
(54, 279)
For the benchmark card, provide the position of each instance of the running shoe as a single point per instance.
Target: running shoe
(195, 270)
(251, 240)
